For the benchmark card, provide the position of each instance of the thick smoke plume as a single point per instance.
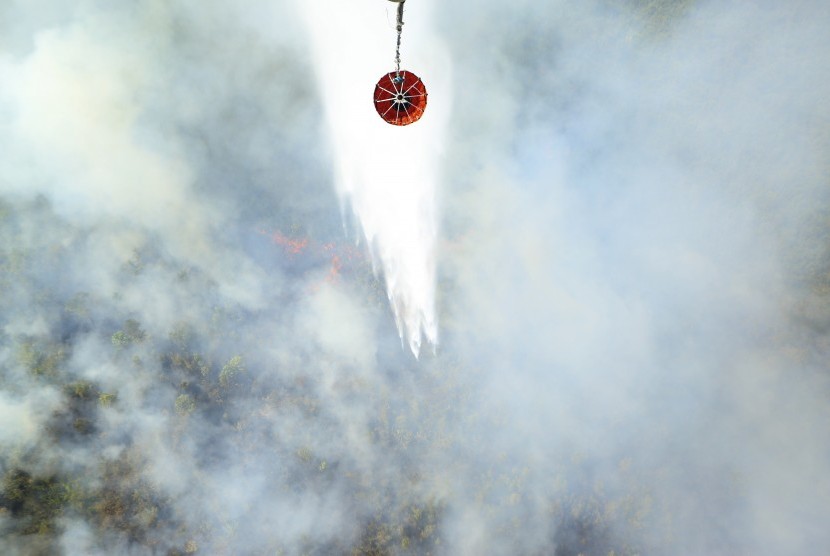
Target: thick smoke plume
(632, 279)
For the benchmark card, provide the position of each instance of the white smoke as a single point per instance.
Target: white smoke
(634, 296)
(387, 175)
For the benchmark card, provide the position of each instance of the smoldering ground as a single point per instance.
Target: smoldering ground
(632, 289)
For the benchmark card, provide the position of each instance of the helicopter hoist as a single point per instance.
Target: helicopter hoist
(400, 95)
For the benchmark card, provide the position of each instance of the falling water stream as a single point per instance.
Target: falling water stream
(386, 175)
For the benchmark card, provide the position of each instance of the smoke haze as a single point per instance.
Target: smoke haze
(624, 206)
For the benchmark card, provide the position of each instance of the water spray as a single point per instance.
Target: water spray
(388, 178)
